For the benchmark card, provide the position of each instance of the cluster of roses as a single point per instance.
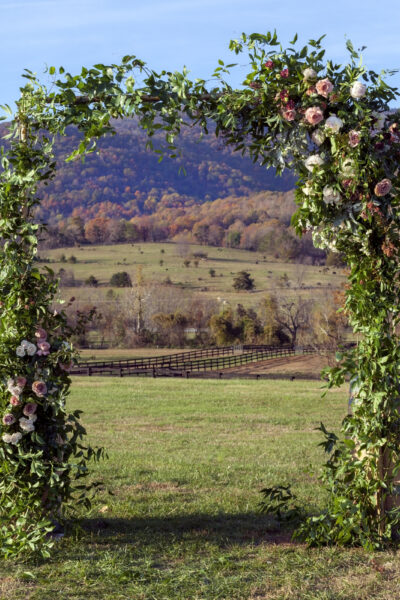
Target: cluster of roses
(16, 387)
(325, 127)
(42, 347)
(25, 412)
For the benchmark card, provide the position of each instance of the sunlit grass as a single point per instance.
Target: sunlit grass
(178, 518)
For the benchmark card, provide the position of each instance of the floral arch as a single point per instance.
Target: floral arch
(333, 126)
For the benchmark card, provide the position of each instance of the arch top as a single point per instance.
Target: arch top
(331, 124)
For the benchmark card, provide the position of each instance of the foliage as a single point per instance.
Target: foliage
(42, 454)
(240, 326)
(92, 281)
(121, 279)
(243, 281)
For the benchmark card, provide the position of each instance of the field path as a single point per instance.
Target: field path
(309, 364)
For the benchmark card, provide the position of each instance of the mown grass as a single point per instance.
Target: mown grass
(178, 516)
(103, 261)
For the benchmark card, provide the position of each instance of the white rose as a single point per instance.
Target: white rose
(15, 438)
(334, 123)
(331, 196)
(318, 137)
(380, 118)
(7, 438)
(31, 349)
(26, 424)
(348, 168)
(20, 351)
(309, 74)
(358, 90)
(15, 390)
(313, 161)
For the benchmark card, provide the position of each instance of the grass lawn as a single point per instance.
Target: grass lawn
(186, 463)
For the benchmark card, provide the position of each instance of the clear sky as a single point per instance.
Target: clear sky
(172, 33)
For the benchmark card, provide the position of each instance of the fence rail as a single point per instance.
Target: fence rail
(183, 364)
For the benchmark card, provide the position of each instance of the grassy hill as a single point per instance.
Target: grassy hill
(270, 275)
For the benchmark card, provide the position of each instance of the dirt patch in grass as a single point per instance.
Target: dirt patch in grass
(161, 428)
(11, 587)
(288, 365)
(154, 486)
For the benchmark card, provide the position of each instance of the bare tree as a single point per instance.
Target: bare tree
(293, 315)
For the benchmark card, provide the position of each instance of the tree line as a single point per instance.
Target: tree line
(260, 222)
(159, 314)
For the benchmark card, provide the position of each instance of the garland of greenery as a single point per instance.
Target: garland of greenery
(334, 128)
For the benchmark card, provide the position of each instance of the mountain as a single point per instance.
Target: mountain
(125, 180)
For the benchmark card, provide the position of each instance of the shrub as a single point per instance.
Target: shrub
(92, 281)
(121, 279)
(243, 281)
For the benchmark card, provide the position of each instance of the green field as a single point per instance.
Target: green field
(178, 516)
(103, 261)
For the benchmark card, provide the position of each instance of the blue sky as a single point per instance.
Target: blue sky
(172, 33)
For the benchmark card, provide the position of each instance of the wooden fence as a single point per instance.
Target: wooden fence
(181, 365)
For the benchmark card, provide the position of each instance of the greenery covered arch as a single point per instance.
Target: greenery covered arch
(333, 126)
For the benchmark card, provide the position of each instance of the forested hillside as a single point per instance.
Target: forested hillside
(123, 194)
(125, 180)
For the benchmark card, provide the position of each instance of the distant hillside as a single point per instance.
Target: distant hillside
(125, 180)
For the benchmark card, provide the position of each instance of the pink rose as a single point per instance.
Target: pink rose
(284, 73)
(314, 115)
(39, 388)
(269, 64)
(8, 419)
(311, 90)
(21, 382)
(44, 348)
(66, 366)
(29, 409)
(289, 114)
(14, 401)
(324, 87)
(383, 187)
(41, 333)
(354, 138)
(346, 183)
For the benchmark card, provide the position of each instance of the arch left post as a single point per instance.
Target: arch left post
(42, 450)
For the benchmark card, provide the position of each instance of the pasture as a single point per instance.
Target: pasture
(270, 275)
(177, 517)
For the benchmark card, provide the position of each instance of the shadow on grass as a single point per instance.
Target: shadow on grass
(222, 529)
